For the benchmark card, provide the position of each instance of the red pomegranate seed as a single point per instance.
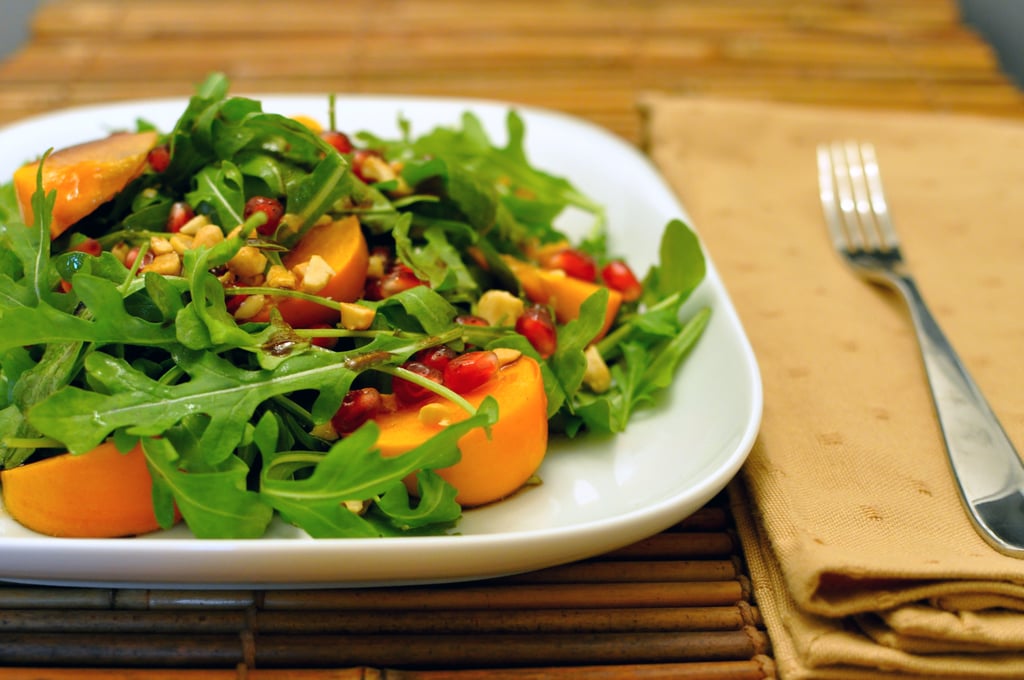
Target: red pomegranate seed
(536, 325)
(399, 279)
(159, 158)
(179, 216)
(356, 408)
(435, 357)
(471, 320)
(133, 254)
(271, 207)
(618, 276)
(409, 392)
(466, 372)
(233, 302)
(573, 262)
(339, 140)
(89, 246)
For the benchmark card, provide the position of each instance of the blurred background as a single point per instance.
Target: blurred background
(999, 22)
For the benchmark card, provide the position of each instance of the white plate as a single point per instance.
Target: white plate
(596, 495)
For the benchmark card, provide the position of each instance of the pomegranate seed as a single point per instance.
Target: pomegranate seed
(89, 246)
(435, 357)
(133, 254)
(618, 276)
(359, 161)
(573, 262)
(339, 140)
(271, 207)
(535, 325)
(233, 302)
(411, 393)
(471, 320)
(179, 216)
(159, 158)
(356, 408)
(468, 371)
(400, 278)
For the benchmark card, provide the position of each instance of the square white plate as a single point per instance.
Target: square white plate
(596, 495)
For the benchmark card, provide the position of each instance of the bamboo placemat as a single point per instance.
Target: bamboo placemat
(675, 606)
(591, 58)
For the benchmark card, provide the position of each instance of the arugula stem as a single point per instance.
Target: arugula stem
(31, 443)
(294, 409)
(441, 390)
(608, 344)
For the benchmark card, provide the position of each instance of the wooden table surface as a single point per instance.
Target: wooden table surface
(675, 606)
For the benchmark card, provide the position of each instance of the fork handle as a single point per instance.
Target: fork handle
(985, 465)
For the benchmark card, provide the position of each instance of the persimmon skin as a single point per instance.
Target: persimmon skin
(102, 493)
(564, 293)
(85, 176)
(342, 245)
(490, 468)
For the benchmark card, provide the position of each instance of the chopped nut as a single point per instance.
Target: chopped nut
(596, 376)
(499, 307)
(250, 307)
(376, 266)
(160, 246)
(207, 235)
(357, 507)
(168, 264)
(434, 414)
(181, 242)
(248, 262)
(376, 169)
(356, 317)
(315, 274)
(279, 277)
(506, 355)
(192, 227)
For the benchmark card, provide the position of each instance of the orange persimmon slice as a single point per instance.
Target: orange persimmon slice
(102, 493)
(342, 246)
(564, 293)
(490, 468)
(85, 176)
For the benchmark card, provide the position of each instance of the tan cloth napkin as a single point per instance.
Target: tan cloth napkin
(864, 563)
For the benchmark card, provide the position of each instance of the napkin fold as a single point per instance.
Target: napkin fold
(864, 563)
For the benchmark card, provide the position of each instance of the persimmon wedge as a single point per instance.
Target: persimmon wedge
(343, 247)
(564, 293)
(490, 468)
(102, 493)
(85, 176)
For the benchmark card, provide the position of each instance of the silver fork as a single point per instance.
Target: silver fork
(988, 471)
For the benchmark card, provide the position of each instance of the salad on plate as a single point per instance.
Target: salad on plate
(251, 315)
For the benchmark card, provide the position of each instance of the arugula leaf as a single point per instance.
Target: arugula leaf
(354, 470)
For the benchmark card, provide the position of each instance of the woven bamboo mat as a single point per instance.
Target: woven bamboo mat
(677, 605)
(590, 58)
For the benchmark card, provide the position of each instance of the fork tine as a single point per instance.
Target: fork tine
(837, 197)
(827, 193)
(879, 205)
(860, 211)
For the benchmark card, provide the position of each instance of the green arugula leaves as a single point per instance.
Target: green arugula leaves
(229, 413)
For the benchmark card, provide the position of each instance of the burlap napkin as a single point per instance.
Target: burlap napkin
(864, 563)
